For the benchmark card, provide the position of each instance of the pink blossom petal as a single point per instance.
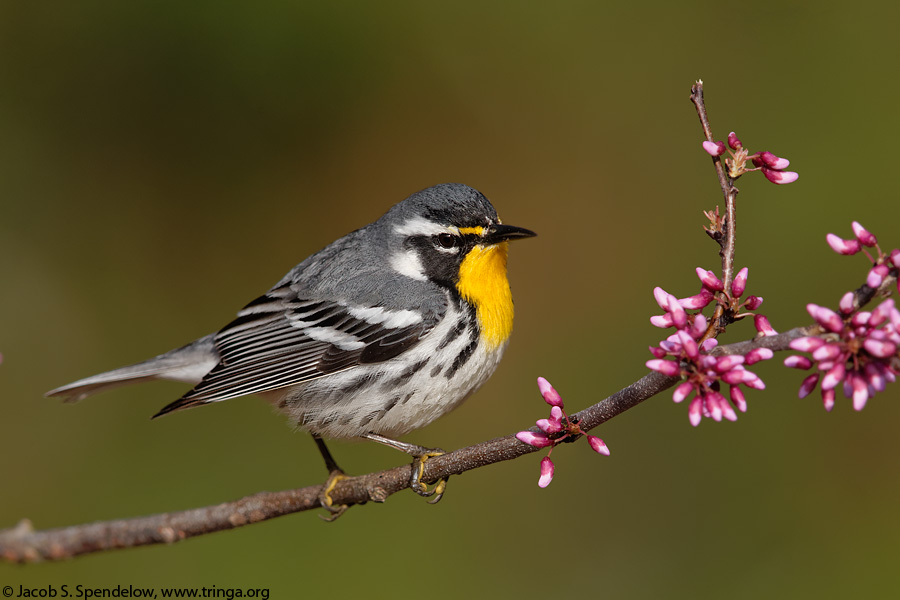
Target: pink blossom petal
(864, 236)
(688, 344)
(808, 385)
(827, 352)
(548, 426)
(880, 349)
(712, 405)
(826, 317)
(752, 380)
(661, 297)
(727, 363)
(698, 301)
(709, 280)
(895, 257)
(847, 303)
(875, 278)
(753, 302)
(662, 321)
(770, 160)
(807, 344)
(709, 344)
(758, 354)
(695, 411)
(828, 399)
(598, 446)
(797, 362)
(860, 393)
(740, 283)
(538, 440)
(547, 468)
(842, 246)
(714, 148)
(875, 376)
(670, 347)
(679, 317)
(551, 396)
(699, 327)
(737, 398)
(666, 367)
(682, 391)
(727, 411)
(881, 313)
(861, 318)
(733, 142)
(761, 322)
(780, 177)
(657, 352)
(834, 377)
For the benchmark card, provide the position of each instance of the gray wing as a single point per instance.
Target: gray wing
(280, 340)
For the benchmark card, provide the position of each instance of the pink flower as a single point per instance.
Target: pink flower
(769, 160)
(547, 468)
(714, 148)
(772, 167)
(780, 177)
(863, 235)
(598, 445)
(555, 430)
(551, 396)
(538, 440)
(761, 322)
(859, 353)
(842, 246)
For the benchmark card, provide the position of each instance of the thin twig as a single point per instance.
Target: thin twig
(729, 233)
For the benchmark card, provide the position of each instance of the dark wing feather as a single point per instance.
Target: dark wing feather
(268, 347)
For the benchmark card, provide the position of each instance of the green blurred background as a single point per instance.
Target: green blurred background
(163, 163)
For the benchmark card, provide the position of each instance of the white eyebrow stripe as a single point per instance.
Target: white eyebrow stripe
(408, 263)
(420, 226)
(392, 319)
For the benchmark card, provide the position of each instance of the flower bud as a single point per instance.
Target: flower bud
(864, 236)
(714, 148)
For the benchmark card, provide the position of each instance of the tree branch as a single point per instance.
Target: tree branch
(24, 544)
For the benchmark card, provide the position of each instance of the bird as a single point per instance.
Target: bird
(376, 335)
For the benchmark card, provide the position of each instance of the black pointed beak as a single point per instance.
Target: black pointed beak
(502, 233)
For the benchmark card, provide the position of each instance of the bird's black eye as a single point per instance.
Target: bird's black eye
(447, 240)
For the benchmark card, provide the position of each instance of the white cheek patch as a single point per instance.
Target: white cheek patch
(408, 263)
(391, 319)
(342, 340)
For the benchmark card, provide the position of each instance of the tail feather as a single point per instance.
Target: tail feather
(188, 364)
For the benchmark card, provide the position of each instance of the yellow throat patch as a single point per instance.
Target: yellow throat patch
(483, 283)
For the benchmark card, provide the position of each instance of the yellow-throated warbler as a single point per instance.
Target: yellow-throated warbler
(378, 334)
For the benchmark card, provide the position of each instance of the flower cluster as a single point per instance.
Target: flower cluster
(858, 350)
(773, 167)
(704, 373)
(555, 430)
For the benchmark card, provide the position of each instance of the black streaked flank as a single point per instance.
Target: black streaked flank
(462, 358)
(407, 374)
(454, 333)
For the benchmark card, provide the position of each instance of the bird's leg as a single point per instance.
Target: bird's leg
(421, 455)
(335, 475)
